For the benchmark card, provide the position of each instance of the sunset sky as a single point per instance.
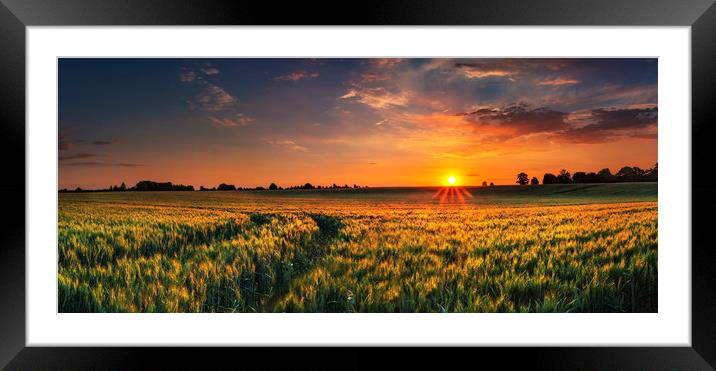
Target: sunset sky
(375, 122)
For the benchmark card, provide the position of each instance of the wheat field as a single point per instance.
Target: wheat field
(508, 249)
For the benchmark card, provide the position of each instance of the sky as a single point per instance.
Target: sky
(374, 122)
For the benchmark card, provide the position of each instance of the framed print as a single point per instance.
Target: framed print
(213, 175)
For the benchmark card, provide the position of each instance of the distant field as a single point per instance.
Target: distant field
(553, 248)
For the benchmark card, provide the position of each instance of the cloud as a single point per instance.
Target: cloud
(214, 98)
(372, 76)
(519, 124)
(62, 143)
(480, 71)
(352, 93)
(457, 154)
(78, 156)
(104, 142)
(386, 63)
(604, 123)
(219, 105)
(289, 144)
(316, 62)
(517, 119)
(187, 76)
(237, 120)
(603, 96)
(298, 75)
(558, 82)
(101, 164)
(378, 97)
(210, 71)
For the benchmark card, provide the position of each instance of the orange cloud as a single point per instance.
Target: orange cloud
(479, 71)
(238, 120)
(386, 62)
(372, 76)
(289, 144)
(475, 74)
(378, 97)
(558, 82)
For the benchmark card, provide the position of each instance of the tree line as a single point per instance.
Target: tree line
(148, 185)
(275, 187)
(624, 175)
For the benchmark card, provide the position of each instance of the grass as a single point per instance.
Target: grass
(556, 248)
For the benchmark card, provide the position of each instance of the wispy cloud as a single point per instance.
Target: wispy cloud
(210, 71)
(558, 82)
(297, 75)
(372, 76)
(386, 63)
(77, 156)
(378, 97)
(214, 98)
(102, 164)
(480, 71)
(187, 76)
(219, 105)
(288, 144)
(237, 120)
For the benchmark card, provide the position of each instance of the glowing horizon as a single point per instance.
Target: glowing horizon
(371, 122)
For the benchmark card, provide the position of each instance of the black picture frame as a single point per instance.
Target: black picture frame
(16, 15)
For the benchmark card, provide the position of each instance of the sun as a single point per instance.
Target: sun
(451, 193)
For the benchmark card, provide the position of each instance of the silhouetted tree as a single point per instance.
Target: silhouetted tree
(308, 186)
(273, 187)
(492, 184)
(534, 181)
(605, 175)
(148, 185)
(652, 174)
(626, 174)
(639, 172)
(579, 177)
(226, 187)
(591, 178)
(484, 183)
(123, 187)
(549, 179)
(522, 179)
(564, 177)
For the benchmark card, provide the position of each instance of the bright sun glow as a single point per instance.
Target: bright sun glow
(452, 180)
